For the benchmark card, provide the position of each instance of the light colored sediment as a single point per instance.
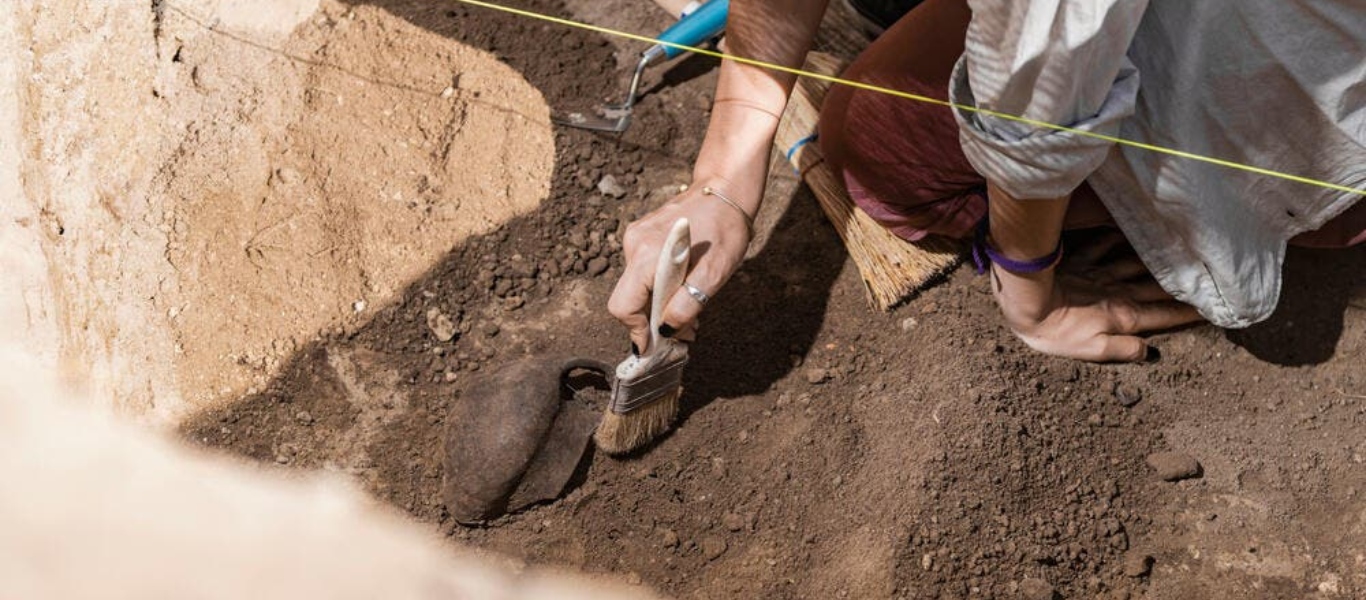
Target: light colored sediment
(194, 189)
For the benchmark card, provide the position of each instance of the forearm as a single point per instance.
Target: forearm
(749, 100)
(1024, 230)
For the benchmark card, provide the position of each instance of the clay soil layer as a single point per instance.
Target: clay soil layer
(827, 450)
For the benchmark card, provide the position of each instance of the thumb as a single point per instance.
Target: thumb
(630, 304)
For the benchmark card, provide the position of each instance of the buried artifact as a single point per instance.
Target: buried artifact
(510, 441)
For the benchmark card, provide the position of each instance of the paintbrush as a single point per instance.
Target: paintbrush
(647, 386)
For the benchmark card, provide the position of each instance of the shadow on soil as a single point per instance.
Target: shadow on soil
(1317, 287)
(769, 313)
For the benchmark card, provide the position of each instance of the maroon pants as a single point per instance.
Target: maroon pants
(901, 159)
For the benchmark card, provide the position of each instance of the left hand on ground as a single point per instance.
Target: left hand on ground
(1090, 309)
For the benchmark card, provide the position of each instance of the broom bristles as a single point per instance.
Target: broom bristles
(892, 269)
(624, 433)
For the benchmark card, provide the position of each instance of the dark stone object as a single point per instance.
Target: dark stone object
(511, 442)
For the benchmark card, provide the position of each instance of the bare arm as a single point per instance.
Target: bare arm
(733, 160)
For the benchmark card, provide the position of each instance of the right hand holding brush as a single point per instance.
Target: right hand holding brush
(720, 236)
(729, 175)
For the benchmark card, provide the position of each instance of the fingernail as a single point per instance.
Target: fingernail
(1153, 355)
(635, 350)
(667, 330)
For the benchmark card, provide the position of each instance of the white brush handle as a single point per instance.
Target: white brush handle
(672, 268)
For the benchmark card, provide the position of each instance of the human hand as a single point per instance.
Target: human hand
(720, 235)
(1097, 317)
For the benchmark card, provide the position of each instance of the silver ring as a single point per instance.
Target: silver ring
(700, 296)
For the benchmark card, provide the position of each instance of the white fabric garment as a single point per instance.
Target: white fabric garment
(1279, 85)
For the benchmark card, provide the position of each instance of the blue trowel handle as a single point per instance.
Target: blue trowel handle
(699, 26)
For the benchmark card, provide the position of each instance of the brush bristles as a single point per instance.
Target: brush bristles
(620, 434)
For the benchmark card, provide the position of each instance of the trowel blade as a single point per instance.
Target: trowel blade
(610, 120)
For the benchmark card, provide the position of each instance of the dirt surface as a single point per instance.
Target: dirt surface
(318, 176)
(827, 450)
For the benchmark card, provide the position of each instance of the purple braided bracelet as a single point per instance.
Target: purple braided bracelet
(983, 255)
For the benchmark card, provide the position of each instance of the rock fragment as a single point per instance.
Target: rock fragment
(713, 547)
(1137, 564)
(816, 375)
(669, 538)
(609, 187)
(597, 266)
(1174, 466)
(1033, 588)
(1128, 394)
(733, 521)
(440, 324)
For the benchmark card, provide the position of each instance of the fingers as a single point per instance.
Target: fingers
(682, 310)
(630, 301)
(1121, 348)
(630, 304)
(719, 235)
(1152, 316)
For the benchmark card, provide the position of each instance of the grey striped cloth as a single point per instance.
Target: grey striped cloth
(1275, 84)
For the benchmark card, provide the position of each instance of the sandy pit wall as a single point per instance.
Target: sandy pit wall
(194, 189)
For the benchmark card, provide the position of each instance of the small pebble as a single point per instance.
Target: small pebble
(713, 547)
(1033, 588)
(669, 538)
(732, 521)
(440, 325)
(597, 266)
(1174, 466)
(609, 187)
(816, 375)
(1128, 394)
(1137, 564)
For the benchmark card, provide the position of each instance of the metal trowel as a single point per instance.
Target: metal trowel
(702, 24)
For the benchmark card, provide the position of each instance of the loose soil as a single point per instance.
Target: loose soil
(827, 450)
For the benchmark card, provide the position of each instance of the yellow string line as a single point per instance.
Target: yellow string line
(918, 98)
